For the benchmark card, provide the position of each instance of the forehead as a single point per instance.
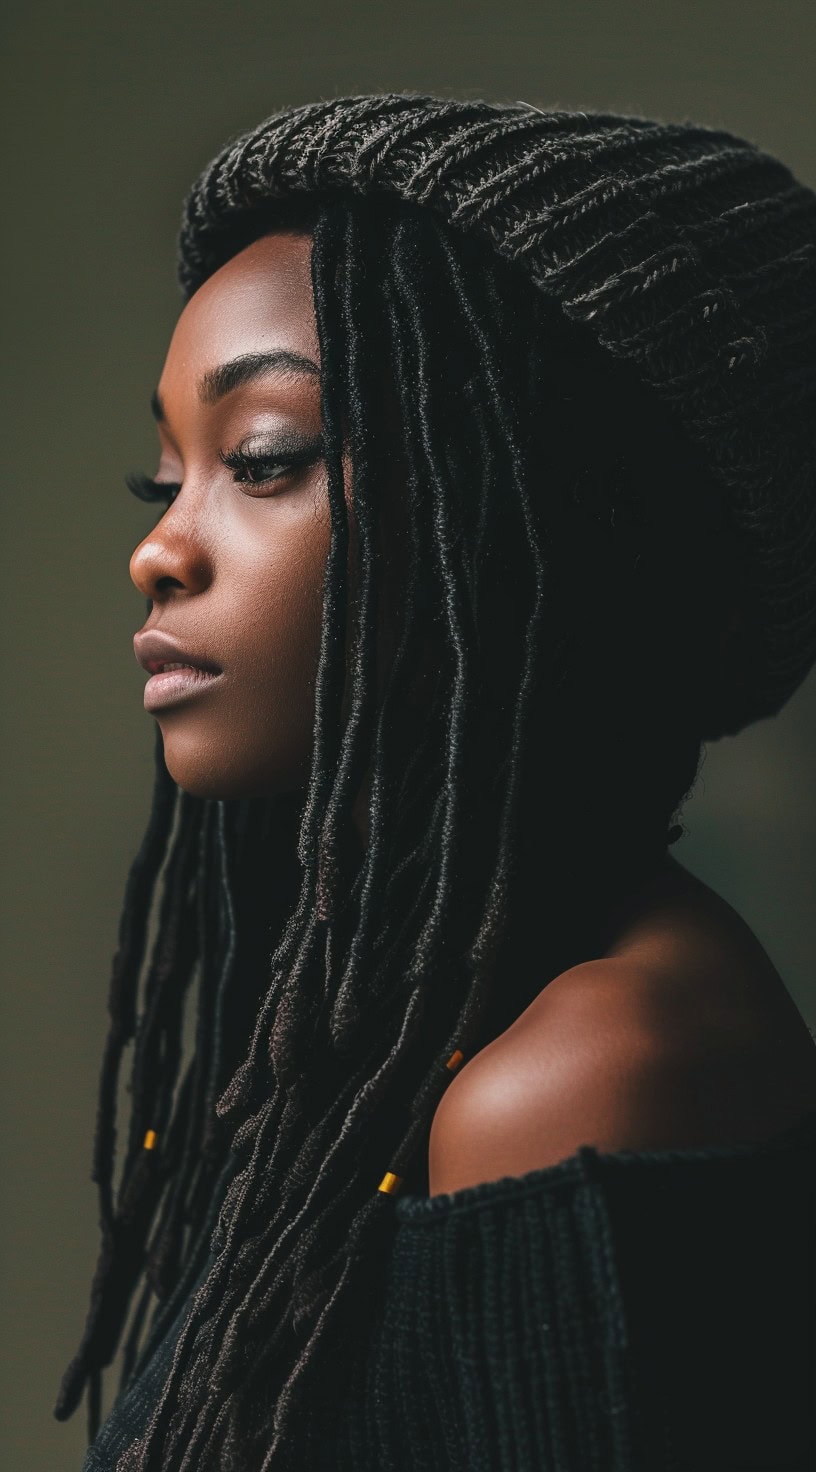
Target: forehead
(260, 299)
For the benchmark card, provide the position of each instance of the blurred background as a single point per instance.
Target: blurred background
(110, 112)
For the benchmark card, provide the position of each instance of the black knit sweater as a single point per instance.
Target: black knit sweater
(633, 1310)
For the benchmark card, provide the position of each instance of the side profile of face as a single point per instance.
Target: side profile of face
(235, 566)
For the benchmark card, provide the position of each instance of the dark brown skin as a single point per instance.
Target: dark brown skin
(234, 570)
(683, 1033)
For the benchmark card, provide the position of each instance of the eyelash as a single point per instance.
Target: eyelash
(238, 460)
(146, 489)
(241, 460)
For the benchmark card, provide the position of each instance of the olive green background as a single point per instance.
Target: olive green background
(110, 111)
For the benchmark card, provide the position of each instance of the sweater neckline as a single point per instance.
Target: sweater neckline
(411, 1206)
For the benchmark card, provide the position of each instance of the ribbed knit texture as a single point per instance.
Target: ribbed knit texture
(630, 1312)
(684, 250)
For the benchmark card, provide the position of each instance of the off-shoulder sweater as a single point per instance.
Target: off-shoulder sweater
(616, 1312)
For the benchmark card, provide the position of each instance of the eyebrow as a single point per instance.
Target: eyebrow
(217, 382)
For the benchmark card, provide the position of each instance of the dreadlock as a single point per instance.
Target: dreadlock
(549, 545)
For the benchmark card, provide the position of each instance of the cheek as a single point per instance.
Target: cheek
(280, 634)
(253, 735)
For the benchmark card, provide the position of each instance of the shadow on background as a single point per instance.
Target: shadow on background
(109, 115)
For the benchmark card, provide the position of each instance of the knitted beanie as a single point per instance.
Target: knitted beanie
(682, 249)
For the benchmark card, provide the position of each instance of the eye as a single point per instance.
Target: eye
(272, 460)
(146, 489)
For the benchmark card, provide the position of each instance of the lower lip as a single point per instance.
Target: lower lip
(173, 686)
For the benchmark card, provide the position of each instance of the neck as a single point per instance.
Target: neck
(570, 911)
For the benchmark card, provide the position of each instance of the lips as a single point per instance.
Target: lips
(178, 676)
(155, 651)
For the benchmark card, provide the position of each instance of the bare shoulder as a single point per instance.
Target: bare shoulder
(659, 1046)
(579, 1067)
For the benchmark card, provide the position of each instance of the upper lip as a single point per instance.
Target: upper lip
(153, 649)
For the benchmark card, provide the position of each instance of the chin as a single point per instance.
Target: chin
(204, 772)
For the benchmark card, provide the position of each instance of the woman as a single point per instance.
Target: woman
(487, 448)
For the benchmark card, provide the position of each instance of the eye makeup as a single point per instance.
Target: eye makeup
(273, 460)
(146, 489)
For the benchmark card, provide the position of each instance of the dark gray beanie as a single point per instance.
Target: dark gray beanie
(684, 250)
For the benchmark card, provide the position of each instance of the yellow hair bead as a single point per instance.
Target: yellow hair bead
(390, 1183)
(150, 1140)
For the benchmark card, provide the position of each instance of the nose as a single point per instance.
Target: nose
(170, 562)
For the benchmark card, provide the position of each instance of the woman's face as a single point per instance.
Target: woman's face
(234, 567)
